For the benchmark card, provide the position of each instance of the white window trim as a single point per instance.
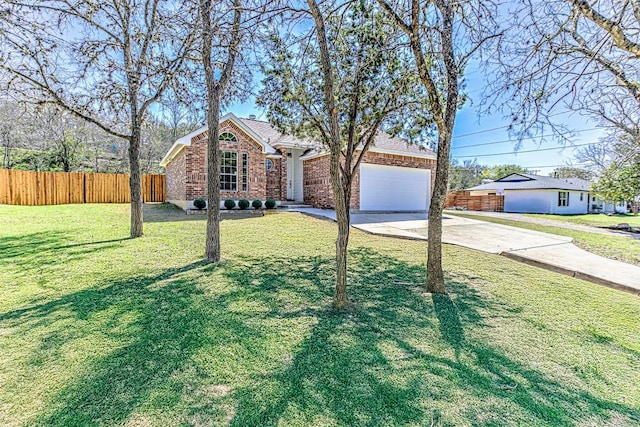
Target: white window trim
(222, 155)
(563, 201)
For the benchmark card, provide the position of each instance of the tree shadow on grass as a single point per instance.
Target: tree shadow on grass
(35, 250)
(156, 322)
(449, 322)
(380, 363)
(167, 212)
(396, 357)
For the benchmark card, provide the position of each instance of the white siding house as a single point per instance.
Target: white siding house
(527, 193)
(599, 205)
(546, 201)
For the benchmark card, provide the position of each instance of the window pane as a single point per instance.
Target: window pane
(229, 171)
(245, 170)
(229, 137)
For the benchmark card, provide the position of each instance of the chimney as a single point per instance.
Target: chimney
(252, 117)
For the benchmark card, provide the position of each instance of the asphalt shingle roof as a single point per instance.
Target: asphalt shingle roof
(272, 136)
(534, 182)
(383, 140)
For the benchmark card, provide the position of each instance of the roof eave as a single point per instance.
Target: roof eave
(185, 141)
(266, 148)
(293, 145)
(172, 153)
(431, 156)
(381, 151)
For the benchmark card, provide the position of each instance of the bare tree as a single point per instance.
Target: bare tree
(339, 84)
(443, 36)
(105, 61)
(57, 132)
(572, 54)
(182, 114)
(12, 132)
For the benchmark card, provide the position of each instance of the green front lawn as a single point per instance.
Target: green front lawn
(96, 329)
(613, 247)
(596, 220)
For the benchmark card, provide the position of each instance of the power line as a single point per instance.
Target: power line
(479, 132)
(522, 139)
(503, 127)
(524, 151)
(555, 166)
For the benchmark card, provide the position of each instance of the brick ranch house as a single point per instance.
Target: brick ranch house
(258, 162)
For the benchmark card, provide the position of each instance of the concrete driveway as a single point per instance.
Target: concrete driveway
(473, 234)
(549, 251)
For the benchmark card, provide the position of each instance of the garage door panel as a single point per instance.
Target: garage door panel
(386, 188)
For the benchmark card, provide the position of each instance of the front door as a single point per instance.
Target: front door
(290, 176)
(294, 175)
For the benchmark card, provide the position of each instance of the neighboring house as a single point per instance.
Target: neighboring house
(259, 162)
(529, 193)
(599, 205)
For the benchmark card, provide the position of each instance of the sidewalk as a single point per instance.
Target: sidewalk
(549, 251)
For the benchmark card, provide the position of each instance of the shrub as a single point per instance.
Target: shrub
(229, 204)
(243, 203)
(257, 204)
(270, 204)
(200, 203)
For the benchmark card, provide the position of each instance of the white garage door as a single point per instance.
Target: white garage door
(393, 188)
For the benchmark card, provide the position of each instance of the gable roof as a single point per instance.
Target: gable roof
(274, 137)
(185, 141)
(525, 181)
(271, 138)
(386, 144)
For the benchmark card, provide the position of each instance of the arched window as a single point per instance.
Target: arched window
(227, 137)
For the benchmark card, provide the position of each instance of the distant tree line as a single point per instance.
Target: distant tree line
(49, 139)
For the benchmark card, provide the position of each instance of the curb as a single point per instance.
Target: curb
(572, 273)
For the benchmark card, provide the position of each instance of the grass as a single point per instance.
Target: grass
(96, 329)
(596, 220)
(613, 247)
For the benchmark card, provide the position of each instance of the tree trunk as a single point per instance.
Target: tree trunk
(445, 122)
(66, 164)
(134, 183)
(6, 161)
(435, 275)
(341, 199)
(212, 250)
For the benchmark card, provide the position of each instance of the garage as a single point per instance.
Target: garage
(394, 188)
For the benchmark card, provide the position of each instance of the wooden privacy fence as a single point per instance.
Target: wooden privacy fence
(463, 199)
(59, 188)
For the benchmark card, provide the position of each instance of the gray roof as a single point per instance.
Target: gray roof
(383, 140)
(525, 181)
(273, 137)
(387, 142)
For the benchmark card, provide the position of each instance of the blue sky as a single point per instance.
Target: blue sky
(486, 139)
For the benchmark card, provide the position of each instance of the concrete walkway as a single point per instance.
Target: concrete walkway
(549, 251)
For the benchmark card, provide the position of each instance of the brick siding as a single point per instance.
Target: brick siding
(317, 182)
(187, 176)
(196, 165)
(277, 177)
(176, 178)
